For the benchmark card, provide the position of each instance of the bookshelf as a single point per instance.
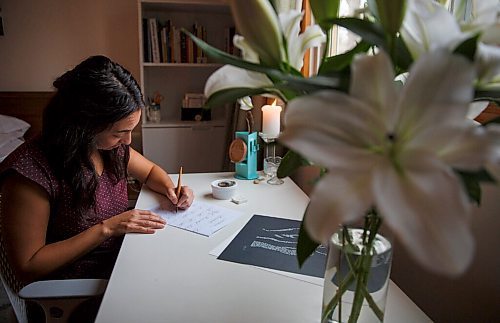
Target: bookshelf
(179, 68)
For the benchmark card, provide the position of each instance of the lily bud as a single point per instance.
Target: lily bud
(257, 21)
(391, 14)
(323, 11)
(443, 2)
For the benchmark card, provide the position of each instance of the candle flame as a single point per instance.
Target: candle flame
(274, 103)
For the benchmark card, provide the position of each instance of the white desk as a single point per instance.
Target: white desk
(170, 277)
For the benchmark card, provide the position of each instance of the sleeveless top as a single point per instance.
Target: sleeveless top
(30, 161)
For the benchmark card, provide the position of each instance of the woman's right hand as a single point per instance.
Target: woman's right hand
(137, 221)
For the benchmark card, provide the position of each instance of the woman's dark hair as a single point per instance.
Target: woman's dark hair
(89, 99)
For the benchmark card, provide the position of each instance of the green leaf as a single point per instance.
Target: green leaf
(282, 80)
(290, 162)
(312, 84)
(487, 95)
(390, 14)
(482, 175)
(225, 58)
(472, 181)
(370, 32)
(473, 189)
(305, 245)
(324, 11)
(468, 48)
(231, 95)
(402, 57)
(343, 61)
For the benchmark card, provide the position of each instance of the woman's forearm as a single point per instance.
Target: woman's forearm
(158, 180)
(53, 256)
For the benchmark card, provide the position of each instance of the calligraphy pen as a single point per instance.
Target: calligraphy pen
(178, 193)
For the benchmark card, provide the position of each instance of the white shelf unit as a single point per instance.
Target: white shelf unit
(171, 143)
(197, 148)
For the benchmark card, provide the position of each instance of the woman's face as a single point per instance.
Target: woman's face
(119, 133)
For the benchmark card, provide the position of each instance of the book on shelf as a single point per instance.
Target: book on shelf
(155, 45)
(183, 47)
(200, 32)
(177, 45)
(229, 33)
(190, 50)
(163, 42)
(146, 41)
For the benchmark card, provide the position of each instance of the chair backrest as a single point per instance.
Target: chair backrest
(11, 284)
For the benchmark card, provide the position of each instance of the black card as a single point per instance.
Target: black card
(272, 243)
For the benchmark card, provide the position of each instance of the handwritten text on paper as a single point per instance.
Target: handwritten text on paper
(203, 218)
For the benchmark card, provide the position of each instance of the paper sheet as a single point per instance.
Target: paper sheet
(202, 218)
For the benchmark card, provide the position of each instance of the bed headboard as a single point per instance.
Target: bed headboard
(27, 106)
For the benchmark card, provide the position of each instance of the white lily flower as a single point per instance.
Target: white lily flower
(230, 76)
(245, 103)
(395, 149)
(257, 21)
(297, 44)
(484, 13)
(491, 35)
(493, 165)
(488, 64)
(428, 26)
(484, 18)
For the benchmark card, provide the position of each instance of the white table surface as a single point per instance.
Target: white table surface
(170, 276)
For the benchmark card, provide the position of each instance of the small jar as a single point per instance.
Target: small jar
(153, 112)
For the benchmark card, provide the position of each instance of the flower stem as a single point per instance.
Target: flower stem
(376, 310)
(348, 279)
(361, 280)
(326, 46)
(359, 271)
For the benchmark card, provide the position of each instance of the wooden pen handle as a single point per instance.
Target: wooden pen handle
(179, 183)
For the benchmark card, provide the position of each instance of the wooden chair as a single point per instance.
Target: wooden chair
(58, 298)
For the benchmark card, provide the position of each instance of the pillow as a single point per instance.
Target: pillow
(5, 138)
(10, 124)
(9, 147)
(12, 131)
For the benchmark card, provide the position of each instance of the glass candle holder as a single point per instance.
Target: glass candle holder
(271, 161)
(271, 165)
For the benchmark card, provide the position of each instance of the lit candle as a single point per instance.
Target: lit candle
(271, 120)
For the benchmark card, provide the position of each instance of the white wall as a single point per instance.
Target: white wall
(472, 297)
(44, 38)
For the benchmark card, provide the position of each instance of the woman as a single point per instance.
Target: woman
(64, 194)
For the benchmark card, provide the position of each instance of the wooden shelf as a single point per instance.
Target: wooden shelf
(196, 65)
(180, 123)
(491, 112)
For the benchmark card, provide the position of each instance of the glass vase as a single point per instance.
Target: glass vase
(356, 277)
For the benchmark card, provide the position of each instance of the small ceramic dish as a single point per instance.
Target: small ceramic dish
(224, 189)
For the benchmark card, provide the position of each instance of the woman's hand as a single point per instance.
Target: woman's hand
(138, 221)
(185, 200)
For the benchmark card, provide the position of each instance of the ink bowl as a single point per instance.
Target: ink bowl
(224, 189)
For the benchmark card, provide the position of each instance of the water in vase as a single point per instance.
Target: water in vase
(338, 268)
